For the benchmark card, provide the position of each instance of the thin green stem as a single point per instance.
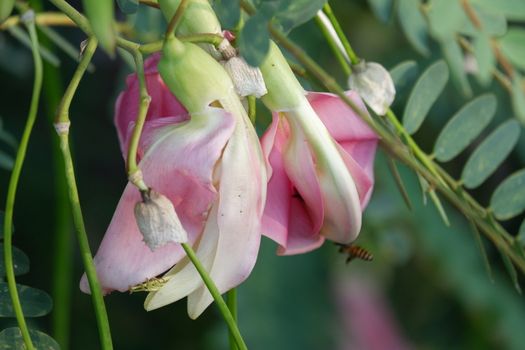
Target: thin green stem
(144, 101)
(252, 108)
(232, 305)
(176, 19)
(62, 126)
(13, 184)
(333, 45)
(348, 48)
(221, 304)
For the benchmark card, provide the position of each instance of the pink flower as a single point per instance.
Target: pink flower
(210, 166)
(304, 203)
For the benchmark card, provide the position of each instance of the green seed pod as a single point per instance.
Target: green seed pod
(101, 14)
(6, 7)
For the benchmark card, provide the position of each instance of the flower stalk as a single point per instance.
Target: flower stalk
(28, 19)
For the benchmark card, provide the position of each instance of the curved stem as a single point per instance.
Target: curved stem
(13, 183)
(221, 304)
(62, 126)
(333, 42)
(232, 305)
(176, 19)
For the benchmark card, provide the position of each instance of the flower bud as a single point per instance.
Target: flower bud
(374, 84)
(247, 80)
(157, 221)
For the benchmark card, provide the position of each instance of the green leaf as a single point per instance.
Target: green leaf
(292, 13)
(512, 9)
(485, 58)
(509, 198)
(437, 202)
(423, 95)
(464, 127)
(490, 154)
(414, 25)
(20, 261)
(445, 18)
(6, 7)
(482, 250)
(381, 8)
(492, 22)
(518, 97)
(512, 46)
(100, 14)
(11, 338)
(403, 74)
(254, 40)
(6, 161)
(35, 302)
(521, 234)
(2, 214)
(228, 11)
(456, 62)
(128, 6)
(511, 270)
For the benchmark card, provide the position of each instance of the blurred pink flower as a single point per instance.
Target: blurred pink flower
(211, 168)
(299, 205)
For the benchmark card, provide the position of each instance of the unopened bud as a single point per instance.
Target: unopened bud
(157, 221)
(374, 84)
(248, 80)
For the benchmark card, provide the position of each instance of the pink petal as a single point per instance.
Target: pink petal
(179, 164)
(163, 103)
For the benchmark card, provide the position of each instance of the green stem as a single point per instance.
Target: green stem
(221, 304)
(62, 124)
(13, 184)
(349, 51)
(232, 305)
(144, 102)
(176, 19)
(333, 45)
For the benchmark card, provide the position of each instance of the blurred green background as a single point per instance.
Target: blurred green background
(428, 279)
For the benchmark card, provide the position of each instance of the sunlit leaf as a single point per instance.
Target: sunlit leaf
(423, 95)
(490, 154)
(381, 8)
(518, 97)
(101, 14)
(6, 7)
(20, 261)
(456, 62)
(464, 127)
(254, 40)
(484, 57)
(509, 198)
(128, 6)
(414, 25)
(228, 11)
(6, 161)
(11, 338)
(512, 9)
(35, 302)
(512, 46)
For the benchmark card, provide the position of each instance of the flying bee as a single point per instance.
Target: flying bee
(355, 251)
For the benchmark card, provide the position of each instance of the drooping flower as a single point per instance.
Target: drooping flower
(210, 166)
(321, 155)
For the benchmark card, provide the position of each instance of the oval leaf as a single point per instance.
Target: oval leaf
(464, 127)
(11, 338)
(518, 98)
(423, 95)
(20, 261)
(445, 18)
(381, 8)
(456, 62)
(35, 302)
(6, 7)
(414, 25)
(490, 154)
(128, 6)
(403, 74)
(292, 13)
(228, 11)
(254, 40)
(512, 46)
(100, 14)
(485, 58)
(509, 198)
(512, 9)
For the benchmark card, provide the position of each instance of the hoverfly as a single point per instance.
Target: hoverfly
(355, 251)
